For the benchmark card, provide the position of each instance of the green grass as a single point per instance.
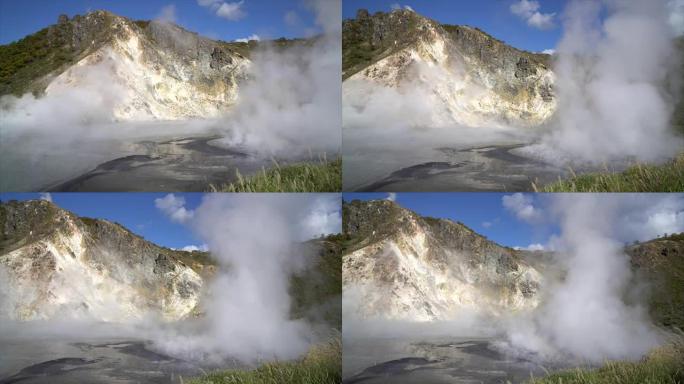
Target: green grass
(321, 365)
(325, 176)
(667, 177)
(663, 365)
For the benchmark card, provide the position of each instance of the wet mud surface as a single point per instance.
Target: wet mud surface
(483, 168)
(456, 361)
(95, 361)
(189, 164)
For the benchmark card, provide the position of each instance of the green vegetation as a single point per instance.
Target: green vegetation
(317, 291)
(142, 23)
(674, 237)
(358, 54)
(37, 220)
(662, 366)
(321, 365)
(660, 262)
(667, 177)
(26, 60)
(246, 48)
(196, 260)
(360, 49)
(326, 176)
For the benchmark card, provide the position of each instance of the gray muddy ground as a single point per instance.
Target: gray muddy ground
(169, 162)
(460, 159)
(454, 360)
(182, 164)
(93, 361)
(486, 168)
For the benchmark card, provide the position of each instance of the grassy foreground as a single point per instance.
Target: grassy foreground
(667, 177)
(321, 365)
(326, 176)
(663, 365)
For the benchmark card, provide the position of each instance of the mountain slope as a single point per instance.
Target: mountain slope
(479, 79)
(418, 268)
(55, 264)
(660, 262)
(421, 268)
(150, 70)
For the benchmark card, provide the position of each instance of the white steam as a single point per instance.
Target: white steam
(590, 308)
(79, 106)
(612, 79)
(292, 103)
(584, 316)
(617, 79)
(254, 237)
(256, 240)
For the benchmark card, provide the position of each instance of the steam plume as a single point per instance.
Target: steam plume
(612, 82)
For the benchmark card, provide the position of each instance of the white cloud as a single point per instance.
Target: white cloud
(676, 10)
(396, 6)
(391, 196)
(323, 219)
(167, 14)
(535, 247)
(639, 216)
(193, 248)
(228, 11)
(521, 205)
(665, 222)
(549, 51)
(541, 20)
(46, 196)
(524, 8)
(645, 217)
(291, 18)
(247, 39)
(174, 207)
(528, 10)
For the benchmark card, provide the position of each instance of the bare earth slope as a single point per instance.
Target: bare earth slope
(55, 264)
(150, 70)
(420, 268)
(477, 78)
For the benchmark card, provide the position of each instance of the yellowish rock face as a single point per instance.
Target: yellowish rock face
(144, 80)
(503, 86)
(96, 271)
(424, 272)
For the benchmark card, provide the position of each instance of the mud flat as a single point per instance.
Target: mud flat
(180, 164)
(96, 361)
(457, 360)
(503, 167)
(483, 168)
(168, 162)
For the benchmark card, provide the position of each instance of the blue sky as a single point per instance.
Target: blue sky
(492, 16)
(483, 212)
(135, 211)
(239, 19)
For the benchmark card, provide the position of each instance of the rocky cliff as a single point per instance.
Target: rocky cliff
(409, 267)
(145, 69)
(54, 264)
(479, 80)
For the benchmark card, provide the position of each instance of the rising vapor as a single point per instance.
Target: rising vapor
(613, 81)
(254, 238)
